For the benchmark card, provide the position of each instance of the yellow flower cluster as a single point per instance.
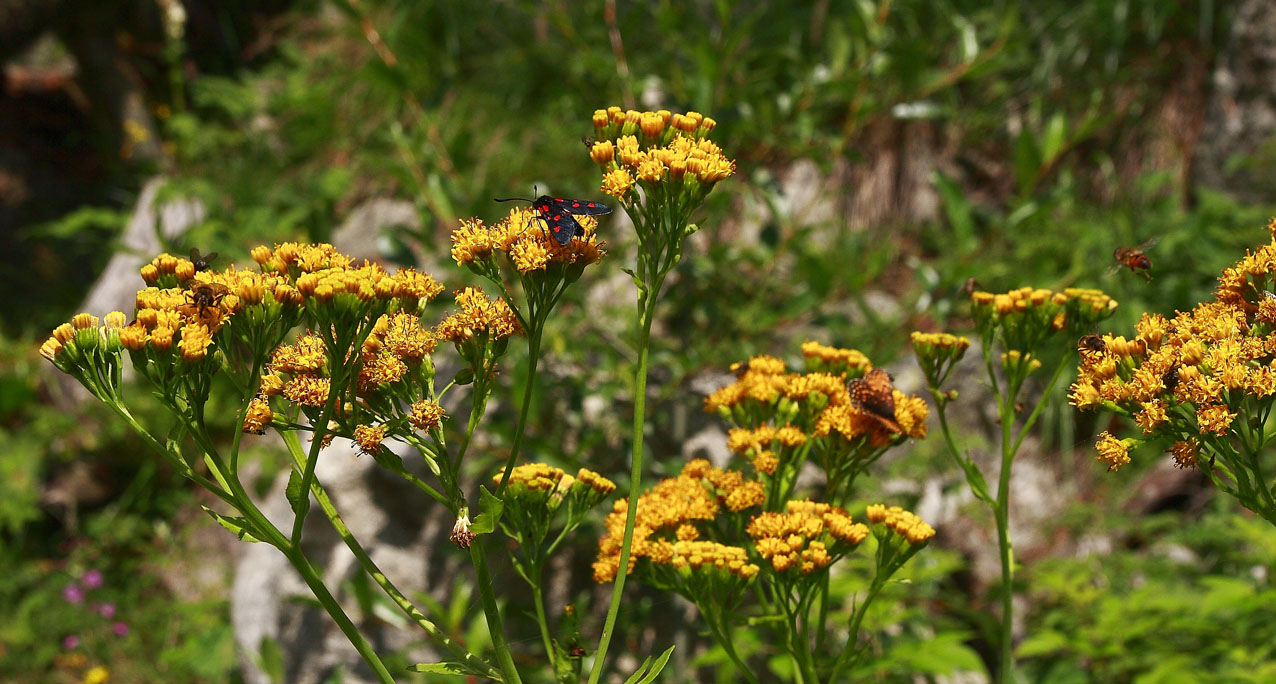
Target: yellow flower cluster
(168, 268)
(1027, 315)
(478, 315)
(296, 258)
(940, 341)
(904, 523)
(808, 537)
(704, 555)
(656, 148)
(776, 412)
(543, 477)
(182, 310)
(259, 416)
(1113, 451)
(937, 353)
(595, 481)
(397, 343)
(825, 359)
(426, 415)
(369, 438)
(1193, 374)
(697, 494)
(534, 476)
(523, 237)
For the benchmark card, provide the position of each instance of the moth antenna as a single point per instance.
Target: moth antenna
(511, 199)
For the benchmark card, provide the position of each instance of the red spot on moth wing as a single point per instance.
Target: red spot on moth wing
(558, 217)
(544, 210)
(559, 199)
(557, 228)
(575, 204)
(590, 205)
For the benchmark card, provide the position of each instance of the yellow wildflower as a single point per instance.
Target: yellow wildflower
(1112, 451)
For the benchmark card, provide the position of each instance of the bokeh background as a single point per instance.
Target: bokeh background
(887, 152)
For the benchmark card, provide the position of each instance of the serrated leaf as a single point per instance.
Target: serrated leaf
(293, 491)
(235, 524)
(490, 509)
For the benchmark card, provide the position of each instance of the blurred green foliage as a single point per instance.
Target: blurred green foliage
(1037, 104)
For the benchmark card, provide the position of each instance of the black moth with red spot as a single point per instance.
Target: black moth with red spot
(559, 214)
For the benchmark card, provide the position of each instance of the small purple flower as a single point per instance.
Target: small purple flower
(106, 610)
(92, 579)
(73, 593)
(119, 628)
(71, 642)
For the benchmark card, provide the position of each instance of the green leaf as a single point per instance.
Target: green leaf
(236, 524)
(648, 671)
(945, 654)
(294, 493)
(1053, 139)
(490, 509)
(271, 658)
(440, 668)
(1043, 642)
(1027, 161)
(958, 211)
(464, 377)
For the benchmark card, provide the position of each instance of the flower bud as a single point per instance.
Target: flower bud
(603, 152)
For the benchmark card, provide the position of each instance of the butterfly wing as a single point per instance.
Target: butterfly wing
(579, 207)
(874, 396)
(562, 226)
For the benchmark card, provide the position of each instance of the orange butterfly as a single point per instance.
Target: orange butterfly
(874, 396)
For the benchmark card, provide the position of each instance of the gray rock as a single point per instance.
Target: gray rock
(398, 527)
(116, 289)
(1238, 145)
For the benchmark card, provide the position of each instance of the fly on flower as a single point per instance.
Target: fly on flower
(202, 297)
(1092, 343)
(559, 214)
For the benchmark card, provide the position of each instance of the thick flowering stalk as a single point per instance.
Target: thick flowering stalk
(660, 166)
(517, 248)
(361, 371)
(1026, 324)
(1203, 381)
(544, 269)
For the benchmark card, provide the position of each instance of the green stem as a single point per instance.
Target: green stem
(312, 460)
(338, 615)
(850, 652)
(648, 301)
(533, 355)
(1002, 514)
(483, 577)
(370, 567)
(539, 600)
(504, 658)
(723, 634)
